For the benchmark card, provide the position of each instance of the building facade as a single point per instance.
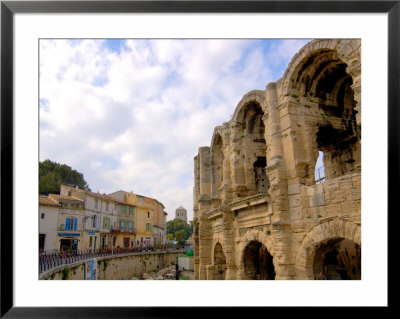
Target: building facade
(70, 222)
(49, 210)
(149, 221)
(258, 211)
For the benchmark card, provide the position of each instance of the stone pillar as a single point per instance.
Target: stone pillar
(205, 171)
(238, 172)
(228, 243)
(283, 263)
(226, 187)
(276, 171)
(196, 187)
(310, 150)
(196, 250)
(205, 243)
(275, 156)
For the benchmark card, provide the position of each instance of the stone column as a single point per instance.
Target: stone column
(196, 250)
(205, 242)
(276, 169)
(228, 242)
(277, 174)
(205, 171)
(283, 264)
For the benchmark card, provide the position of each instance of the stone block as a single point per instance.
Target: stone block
(331, 185)
(294, 201)
(317, 197)
(296, 213)
(350, 208)
(346, 182)
(337, 196)
(353, 194)
(356, 180)
(332, 210)
(294, 189)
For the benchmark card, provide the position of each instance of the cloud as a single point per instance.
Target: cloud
(131, 115)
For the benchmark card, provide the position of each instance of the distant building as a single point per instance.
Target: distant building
(150, 224)
(181, 213)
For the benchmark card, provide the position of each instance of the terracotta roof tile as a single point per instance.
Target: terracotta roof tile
(47, 201)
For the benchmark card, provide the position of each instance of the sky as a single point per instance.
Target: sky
(130, 114)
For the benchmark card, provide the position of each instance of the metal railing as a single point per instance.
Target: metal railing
(55, 258)
(320, 175)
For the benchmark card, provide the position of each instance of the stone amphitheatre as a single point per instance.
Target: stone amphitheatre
(259, 212)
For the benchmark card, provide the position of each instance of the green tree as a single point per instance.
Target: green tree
(52, 175)
(179, 228)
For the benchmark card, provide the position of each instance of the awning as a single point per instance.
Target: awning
(69, 234)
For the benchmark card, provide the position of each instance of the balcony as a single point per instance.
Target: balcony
(118, 230)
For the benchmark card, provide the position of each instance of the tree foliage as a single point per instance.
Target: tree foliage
(52, 175)
(179, 229)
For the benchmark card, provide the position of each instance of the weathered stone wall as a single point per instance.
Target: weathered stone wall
(116, 268)
(256, 181)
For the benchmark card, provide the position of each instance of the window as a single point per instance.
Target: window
(96, 203)
(90, 241)
(42, 215)
(148, 227)
(148, 214)
(71, 223)
(106, 222)
(94, 221)
(132, 211)
(107, 206)
(64, 205)
(126, 242)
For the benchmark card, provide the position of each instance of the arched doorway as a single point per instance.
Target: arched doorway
(258, 262)
(219, 263)
(337, 259)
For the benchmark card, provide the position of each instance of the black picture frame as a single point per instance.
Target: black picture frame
(9, 8)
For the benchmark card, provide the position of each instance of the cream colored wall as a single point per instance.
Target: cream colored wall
(48, 226)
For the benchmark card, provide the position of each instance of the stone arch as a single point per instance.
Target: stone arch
(335, 228)
(250, 146)
(348, 51)
(256, 96)
(323, 79)
(248, 237)
(219, 262)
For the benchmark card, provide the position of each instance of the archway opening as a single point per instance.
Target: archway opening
(320, 169)
(322, 79)
(337, 259)
(219, 263)
(258, 262)
(253, 148)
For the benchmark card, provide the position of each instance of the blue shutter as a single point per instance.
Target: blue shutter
(67, 223)
(75, 223)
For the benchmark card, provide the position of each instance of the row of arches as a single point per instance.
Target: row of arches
(332, 258)
(323, 89)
